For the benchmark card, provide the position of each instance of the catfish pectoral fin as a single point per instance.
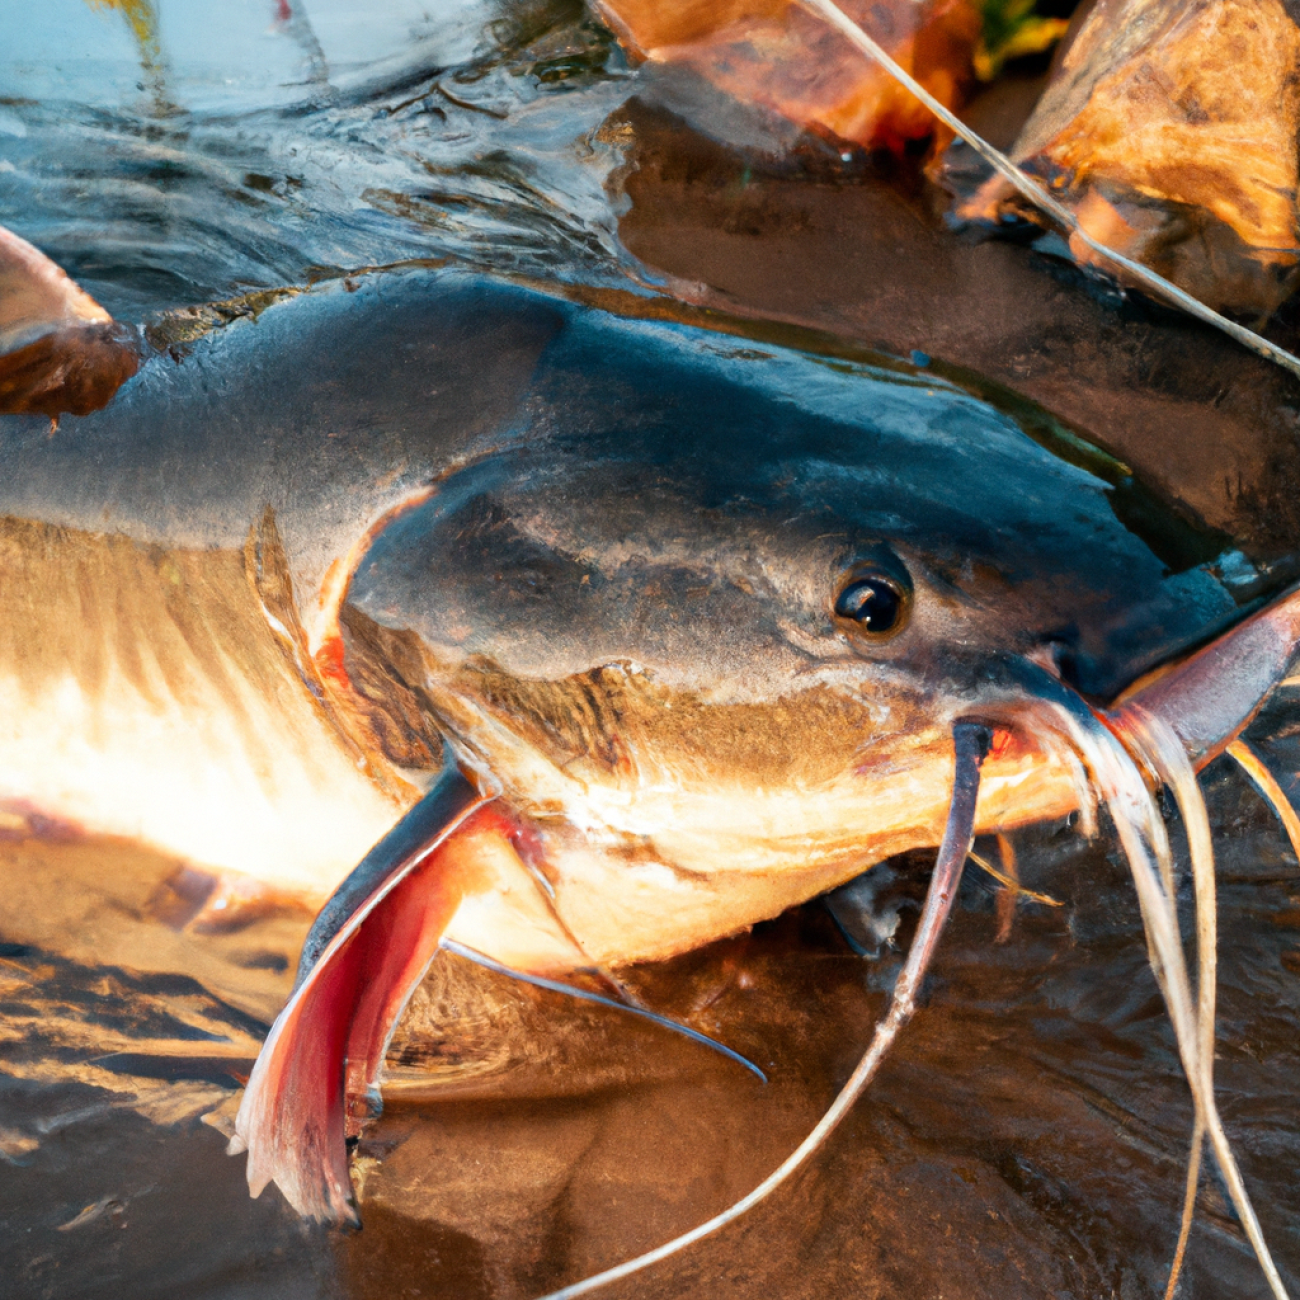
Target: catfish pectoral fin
(316, 1079)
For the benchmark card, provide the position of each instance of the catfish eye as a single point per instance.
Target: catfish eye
(875, 604)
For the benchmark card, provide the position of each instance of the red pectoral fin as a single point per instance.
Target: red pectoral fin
(396, 945)
(317, 1075)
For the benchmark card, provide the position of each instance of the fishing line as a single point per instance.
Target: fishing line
(557, 986)
(831, 13)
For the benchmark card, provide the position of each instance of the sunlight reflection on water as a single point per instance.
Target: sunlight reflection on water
(242, 151)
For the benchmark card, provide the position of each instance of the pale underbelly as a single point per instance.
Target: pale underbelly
(144, 694)
(587, 902)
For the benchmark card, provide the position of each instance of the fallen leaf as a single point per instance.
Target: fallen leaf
(777, 55)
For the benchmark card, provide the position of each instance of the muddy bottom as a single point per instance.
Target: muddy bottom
(1027, 1137)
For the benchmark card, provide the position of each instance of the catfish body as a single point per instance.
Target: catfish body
(705, 622)
(333, 407)
(597, 553)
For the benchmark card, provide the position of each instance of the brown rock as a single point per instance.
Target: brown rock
(1171, 126)
(60, 351)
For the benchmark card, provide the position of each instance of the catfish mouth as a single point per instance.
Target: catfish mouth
(715, 815)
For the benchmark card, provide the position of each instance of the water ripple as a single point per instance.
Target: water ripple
(484, 141)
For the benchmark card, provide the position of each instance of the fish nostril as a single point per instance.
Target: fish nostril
(874, 604)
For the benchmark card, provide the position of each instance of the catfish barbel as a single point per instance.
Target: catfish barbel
(613, 636)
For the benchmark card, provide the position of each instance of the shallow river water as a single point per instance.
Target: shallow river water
(1028, 1136)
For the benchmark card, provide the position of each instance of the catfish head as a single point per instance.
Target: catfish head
(697, 664)
(709, 685)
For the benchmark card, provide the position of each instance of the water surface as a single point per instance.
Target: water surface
(218, 153)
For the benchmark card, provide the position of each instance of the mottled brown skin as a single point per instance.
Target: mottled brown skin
(630, 607)
(633, 638)
(627, 624)
(604, 563)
